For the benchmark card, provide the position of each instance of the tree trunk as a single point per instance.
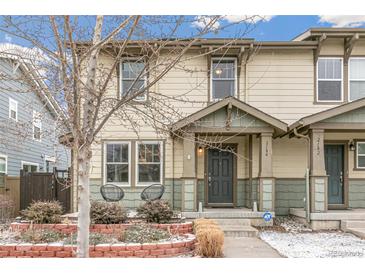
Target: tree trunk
(83, 203)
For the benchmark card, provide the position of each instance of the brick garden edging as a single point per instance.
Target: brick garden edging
(149, 250)
(174, 228)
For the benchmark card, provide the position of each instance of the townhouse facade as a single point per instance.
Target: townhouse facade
(287, 120)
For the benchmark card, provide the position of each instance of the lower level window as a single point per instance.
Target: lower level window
(149, 165)
(360, 155)
(117, 158)
(29, 167)
(2, 170)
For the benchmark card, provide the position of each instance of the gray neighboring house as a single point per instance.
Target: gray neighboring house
(28, 126)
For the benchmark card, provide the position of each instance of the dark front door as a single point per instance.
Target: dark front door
(334, 157)
(220, 177)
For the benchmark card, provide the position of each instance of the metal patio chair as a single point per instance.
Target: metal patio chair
(153, 192)
(111, 193)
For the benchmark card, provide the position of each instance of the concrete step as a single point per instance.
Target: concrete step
(239, 231)
(236, 222)
(348, 224)
(359, 232)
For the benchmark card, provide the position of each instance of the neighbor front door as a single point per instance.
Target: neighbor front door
(220, 177)
(334, 157)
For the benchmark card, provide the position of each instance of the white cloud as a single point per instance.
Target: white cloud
(8, 38)
(202, 21)
(252, 19)
(343, 20)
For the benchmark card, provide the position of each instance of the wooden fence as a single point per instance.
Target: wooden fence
(45, 186)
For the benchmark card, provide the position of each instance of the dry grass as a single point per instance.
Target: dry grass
(210, 238)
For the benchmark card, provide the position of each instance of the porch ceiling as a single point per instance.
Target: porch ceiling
(230, 115)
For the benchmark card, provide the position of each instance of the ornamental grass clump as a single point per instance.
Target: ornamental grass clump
(107, 213)
(210, 238)
(158, 211)
(43, 212)
(7, 208)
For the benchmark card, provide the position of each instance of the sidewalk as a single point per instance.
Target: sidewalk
(248, 247)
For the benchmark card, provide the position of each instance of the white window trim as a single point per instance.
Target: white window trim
(349, 79)
(137, 163)
(6, 162)
(211, 76)
(36, 113)
(105, 163)
(29, 163)
(145, 78)
(317, 80)
(12, 101)
(357, 155)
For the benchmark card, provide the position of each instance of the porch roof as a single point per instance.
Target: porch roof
(336, 118)
(274, 124)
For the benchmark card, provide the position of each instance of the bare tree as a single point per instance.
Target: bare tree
(65, 56)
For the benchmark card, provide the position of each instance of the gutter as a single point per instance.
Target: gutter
(307, 186)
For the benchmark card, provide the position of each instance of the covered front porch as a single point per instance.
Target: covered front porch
(227, 167)
(336, 183)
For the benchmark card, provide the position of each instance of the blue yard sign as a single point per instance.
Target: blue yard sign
(267, 216)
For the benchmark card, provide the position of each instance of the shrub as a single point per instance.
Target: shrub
(37, 236)
(7, 207)
(107, 213)
(43, 212)
(210, 238)
(144, 234)
(157, 211)
(94, 239)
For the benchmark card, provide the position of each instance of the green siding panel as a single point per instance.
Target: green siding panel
(355, 116)
(357, 193)
(288, 193)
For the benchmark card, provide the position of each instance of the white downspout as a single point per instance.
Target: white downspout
(307, 191)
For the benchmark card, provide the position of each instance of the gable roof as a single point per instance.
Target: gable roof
(323, 115)
(272, 121)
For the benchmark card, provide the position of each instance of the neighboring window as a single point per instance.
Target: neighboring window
(360, 155)
(131, 71)
(50, 163)
(3, 169)
(13, 109)
(117, 163)
(30, 167)
(149, 163)
(223, 78)
(37, 126)
(329, 79)
(356, 78)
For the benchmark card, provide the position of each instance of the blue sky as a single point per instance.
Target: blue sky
(275, 28)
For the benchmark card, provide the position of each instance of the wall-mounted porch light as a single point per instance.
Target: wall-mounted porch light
(352, 146)
(200, 149)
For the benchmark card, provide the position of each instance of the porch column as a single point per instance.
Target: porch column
(189, 180)
(266, 179)
(318, 175)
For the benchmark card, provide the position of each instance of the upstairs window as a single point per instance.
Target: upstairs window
(133, 79)
(360, 155)
(356, 78)
(117, 163)
(224, 79)
(37, 126)
(13, 109)
(329, 80)
(149, 165)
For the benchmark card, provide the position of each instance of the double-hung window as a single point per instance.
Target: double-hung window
(117, 163)
(3, 169)
(329, 80)
(149, 163)
(133, 79)
(360, 155)
(13, 109)
(37, 126)
(224, 78)
(356, 78)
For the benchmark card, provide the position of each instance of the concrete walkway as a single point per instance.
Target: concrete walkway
(248, 247)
